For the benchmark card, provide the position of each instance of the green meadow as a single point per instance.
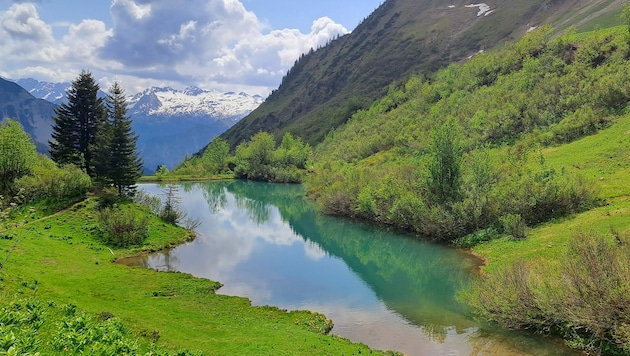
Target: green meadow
(57, 273)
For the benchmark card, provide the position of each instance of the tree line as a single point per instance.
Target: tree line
(257, 159)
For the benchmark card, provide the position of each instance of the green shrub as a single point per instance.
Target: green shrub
(107, 197)
(123, 227)
(586, 301)
(514, 225)
(49, 182)
(476, 238)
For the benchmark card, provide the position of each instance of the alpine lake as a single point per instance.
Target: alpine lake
(388, 290)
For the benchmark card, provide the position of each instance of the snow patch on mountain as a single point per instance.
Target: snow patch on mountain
(484, 9)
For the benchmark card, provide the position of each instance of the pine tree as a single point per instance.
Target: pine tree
(125, 165)
(77, 123)
(101, 160)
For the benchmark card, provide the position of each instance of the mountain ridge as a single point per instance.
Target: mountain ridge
(399, 39)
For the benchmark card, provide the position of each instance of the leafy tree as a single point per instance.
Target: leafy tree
(125, 165)
(444, 167)
(254, 158)
(17, 153)
(293, 152)
(215, 156)
(76, 124)
(161, 170)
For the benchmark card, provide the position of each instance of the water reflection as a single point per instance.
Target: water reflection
(267, 243)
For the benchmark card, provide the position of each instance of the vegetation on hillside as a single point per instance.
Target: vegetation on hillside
(552, 294)
(400, 38)
(439, 156)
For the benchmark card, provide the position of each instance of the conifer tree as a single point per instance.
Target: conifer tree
(101, 161)
(125, 165)
(77, 123)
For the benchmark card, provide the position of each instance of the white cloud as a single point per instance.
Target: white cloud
(214, 44)
(22, 22)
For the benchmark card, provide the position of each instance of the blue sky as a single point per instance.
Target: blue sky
(214, 44)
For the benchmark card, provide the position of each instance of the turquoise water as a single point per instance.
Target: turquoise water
(390, 291)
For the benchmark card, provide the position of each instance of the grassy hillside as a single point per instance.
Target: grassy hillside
(401, 38)
(570, 275)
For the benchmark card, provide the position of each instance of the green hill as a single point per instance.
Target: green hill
(400, 38)
(529, 94)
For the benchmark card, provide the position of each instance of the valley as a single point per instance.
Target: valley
(462, 188)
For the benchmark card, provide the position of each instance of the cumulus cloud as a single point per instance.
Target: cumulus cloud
(22, 22)
(24, 35)
(208, 43)
(29, 48)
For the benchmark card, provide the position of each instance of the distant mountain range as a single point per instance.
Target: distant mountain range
(170, 123)
(53, 92)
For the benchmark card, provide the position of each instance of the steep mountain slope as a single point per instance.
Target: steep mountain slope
(34, 114)
(400, 38)
(172, 124)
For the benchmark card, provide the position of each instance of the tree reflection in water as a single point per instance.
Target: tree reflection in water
(266, 242)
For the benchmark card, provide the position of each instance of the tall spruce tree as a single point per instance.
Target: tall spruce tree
(101, 160)
(76, 124)
(125, 165)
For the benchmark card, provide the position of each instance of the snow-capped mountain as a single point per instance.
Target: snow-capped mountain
(174, 123)
(53, 92)
(192, 102)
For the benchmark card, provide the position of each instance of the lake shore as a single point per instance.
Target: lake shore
(60, 259)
